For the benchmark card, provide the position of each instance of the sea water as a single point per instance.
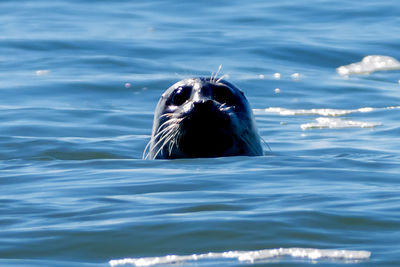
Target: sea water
(79, 82)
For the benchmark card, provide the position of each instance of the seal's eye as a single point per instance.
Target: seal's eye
(180, 95)
(223, 95)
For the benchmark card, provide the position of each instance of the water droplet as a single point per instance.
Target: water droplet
(277, 75)
(42, 72)
(295, 76)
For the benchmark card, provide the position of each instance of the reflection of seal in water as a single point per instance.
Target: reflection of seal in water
(203, 117)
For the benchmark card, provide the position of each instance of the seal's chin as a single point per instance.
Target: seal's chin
(206, 131)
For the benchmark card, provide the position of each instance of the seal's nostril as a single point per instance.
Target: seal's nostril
(208, 102)
(204, 102)
(204, 105)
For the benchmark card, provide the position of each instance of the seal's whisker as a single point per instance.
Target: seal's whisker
(155, 142)
(162, 132)
(171, 122)
(246, 139)
(224, 108)
(169, 128)
(164, 135)
(167, 115)
(216, 74)
(167, 122)
(166, 138)
(165, 129)
(147, 151)
(220, 78)
(173, 142)
(170, 146)
(253, 151)
(265, 143)
(146, 155)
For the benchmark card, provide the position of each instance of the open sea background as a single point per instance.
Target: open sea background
(79, 81)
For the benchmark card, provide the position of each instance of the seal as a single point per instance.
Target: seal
(203, 117)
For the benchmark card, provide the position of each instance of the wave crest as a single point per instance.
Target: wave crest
(251, 256)
(369, 64)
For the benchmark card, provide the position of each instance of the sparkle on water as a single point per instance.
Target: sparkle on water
(250, 256)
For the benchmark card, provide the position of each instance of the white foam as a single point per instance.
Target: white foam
(251, 256)
(295, 76)
(321, 111)
(327, 121)
(369, 64)
(337, 123)
(42, 72)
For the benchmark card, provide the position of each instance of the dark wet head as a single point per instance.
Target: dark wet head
(202, 117)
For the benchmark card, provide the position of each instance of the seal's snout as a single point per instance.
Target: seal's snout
(206, 116)
(205, 130)
(204, 106)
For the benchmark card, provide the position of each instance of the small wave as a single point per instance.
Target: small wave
(326, 121)
(369, 64)
(321, 112)
(251, 256)
(336, 123)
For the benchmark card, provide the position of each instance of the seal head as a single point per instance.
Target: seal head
(203, 117)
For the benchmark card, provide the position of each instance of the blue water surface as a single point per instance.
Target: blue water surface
(79, 81)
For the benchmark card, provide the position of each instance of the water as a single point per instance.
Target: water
(79, 81)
